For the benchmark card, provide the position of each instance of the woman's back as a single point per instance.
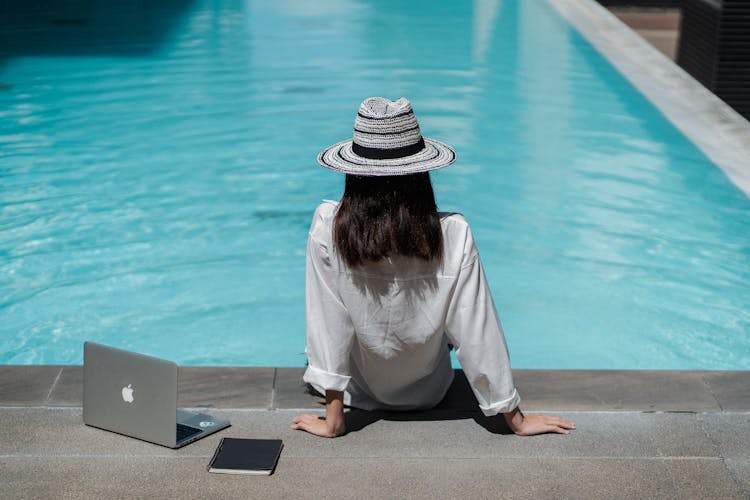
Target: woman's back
(398, 315)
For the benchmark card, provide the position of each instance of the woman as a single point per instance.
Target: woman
(391, 282)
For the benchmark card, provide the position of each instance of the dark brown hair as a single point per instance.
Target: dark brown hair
(387, 215)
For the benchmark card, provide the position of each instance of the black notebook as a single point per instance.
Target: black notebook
(245, 456)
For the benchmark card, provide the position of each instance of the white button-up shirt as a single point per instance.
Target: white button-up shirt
(380, 332)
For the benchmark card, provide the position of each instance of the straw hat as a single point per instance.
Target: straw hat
(387, 141)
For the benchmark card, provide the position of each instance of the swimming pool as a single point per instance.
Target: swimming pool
(157, 178)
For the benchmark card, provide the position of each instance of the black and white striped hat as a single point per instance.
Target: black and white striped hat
(387, 141)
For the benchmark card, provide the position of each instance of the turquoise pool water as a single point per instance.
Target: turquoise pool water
(158, 175)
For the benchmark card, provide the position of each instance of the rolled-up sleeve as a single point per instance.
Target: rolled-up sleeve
(474, 328)
(330, 333)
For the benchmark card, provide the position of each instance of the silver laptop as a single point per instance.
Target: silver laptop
(136, 395)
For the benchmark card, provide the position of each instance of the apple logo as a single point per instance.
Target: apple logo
(127, 393)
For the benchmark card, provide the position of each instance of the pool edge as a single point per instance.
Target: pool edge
(282, 388)
(721, 133)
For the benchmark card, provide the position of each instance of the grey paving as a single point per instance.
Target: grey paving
(731, 389)
(730, 432)
(435, 435)
(289, 390)
(20, 385)
(49, 452)
(640, 434)
(221, 387)
(617, 390)
(67, 389)
(374, 478)
(740, 470)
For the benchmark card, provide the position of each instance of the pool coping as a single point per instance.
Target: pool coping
(721, 133)
(282, 388)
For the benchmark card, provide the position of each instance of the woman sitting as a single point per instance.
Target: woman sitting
(391, 282)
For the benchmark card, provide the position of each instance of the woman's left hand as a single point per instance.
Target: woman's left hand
(330, 426)
(319, 426)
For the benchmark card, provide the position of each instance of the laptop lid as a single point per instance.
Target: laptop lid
(130, 393)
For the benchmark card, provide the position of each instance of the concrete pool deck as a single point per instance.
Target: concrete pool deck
(666, 434)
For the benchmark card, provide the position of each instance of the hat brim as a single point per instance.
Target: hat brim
(341, 158)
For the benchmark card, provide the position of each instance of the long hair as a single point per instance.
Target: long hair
(384, 216)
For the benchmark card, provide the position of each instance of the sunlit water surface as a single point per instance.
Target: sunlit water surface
(158, 176)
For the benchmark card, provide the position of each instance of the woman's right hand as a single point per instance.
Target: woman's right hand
(530, 425)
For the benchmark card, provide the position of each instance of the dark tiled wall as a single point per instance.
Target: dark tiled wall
(715, 48)
(714, 44)
(732, 76)
(641, 3)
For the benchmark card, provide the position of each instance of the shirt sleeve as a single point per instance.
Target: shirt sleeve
(474, 328)
(330, 333)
